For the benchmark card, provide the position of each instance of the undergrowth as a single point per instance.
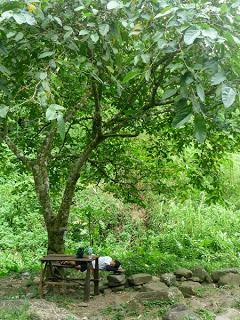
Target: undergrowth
(159, 237)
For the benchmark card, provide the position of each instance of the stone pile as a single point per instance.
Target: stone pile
(182, 282)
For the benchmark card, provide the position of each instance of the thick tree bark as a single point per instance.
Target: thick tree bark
(56, 223)
(55, 238)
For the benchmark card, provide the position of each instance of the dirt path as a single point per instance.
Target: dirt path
(22, 292)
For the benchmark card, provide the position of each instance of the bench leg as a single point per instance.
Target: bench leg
(96, 278)
(87, 284)
(42, 278)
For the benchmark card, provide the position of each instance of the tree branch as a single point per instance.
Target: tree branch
(73, 177)
(123, 135)
(18, 153)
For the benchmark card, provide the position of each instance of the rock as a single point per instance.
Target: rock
(103, 285)
(231, 279)
(108, 291)
(168, 294)
(175, 293)
(229, 314)
(83, 304)
(36, 280)
(116, 280)
(154, 286)
(169, 279)
(217, 274)
(138, 288)
(180, 312)
(116, 289)
(139, 278)
(154, 278)
(196, 279)
(102, 288)
(189, 288)
(25, 274)
(182, 272)
(183, 279)
(202, 274)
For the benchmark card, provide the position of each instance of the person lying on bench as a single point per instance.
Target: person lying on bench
(104, 263)
(108, 264)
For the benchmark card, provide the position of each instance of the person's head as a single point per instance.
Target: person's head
(114, 265)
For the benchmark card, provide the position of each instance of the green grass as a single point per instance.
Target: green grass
(15, 313)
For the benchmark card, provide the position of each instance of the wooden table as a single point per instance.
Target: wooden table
(51, 261)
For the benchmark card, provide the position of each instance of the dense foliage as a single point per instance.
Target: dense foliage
(79, 77)
(169, 231)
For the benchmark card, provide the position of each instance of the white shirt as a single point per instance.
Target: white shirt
(102, 262)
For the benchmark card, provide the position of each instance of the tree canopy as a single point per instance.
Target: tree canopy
(78, 77)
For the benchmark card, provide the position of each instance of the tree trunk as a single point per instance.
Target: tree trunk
(55, 239)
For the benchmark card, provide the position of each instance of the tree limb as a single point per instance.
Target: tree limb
(119, 135)
(18, 153)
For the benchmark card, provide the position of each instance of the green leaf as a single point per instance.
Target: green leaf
(58, 20)
(131, 75)
(183, 114)
(200, 92)
(42, 75)
(169, 93)
(46, 54)
(200, 128)
(30, 19)
(57, 106)
(3, 111)
(19, 36)
(191, 34)
(104, 29)
(218, 78)
(83, 32)
(51, 113)
(61, 125)
(166, 11)
(4, 70)
(79, 8)
(11, 34)
(114, 5)
(67, 34)
(94, 37)
(146, 58)
(228, 96)
(24, 17)
(210, 33)
(19, 18)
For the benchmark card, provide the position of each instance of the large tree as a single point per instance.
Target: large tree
(79, 74)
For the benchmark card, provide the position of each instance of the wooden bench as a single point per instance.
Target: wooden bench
(52, 262)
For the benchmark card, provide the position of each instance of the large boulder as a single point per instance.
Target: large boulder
(154, 286)
(231, 279)
(168, 294)
(169, 279)
(117, 289)
(116, 280)
(182, 272)
(217, 274)
(229, 314)
(202, 274)
(189, 288)
(140, 278)
(180, 312)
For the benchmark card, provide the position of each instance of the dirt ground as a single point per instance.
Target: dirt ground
(67, 304)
